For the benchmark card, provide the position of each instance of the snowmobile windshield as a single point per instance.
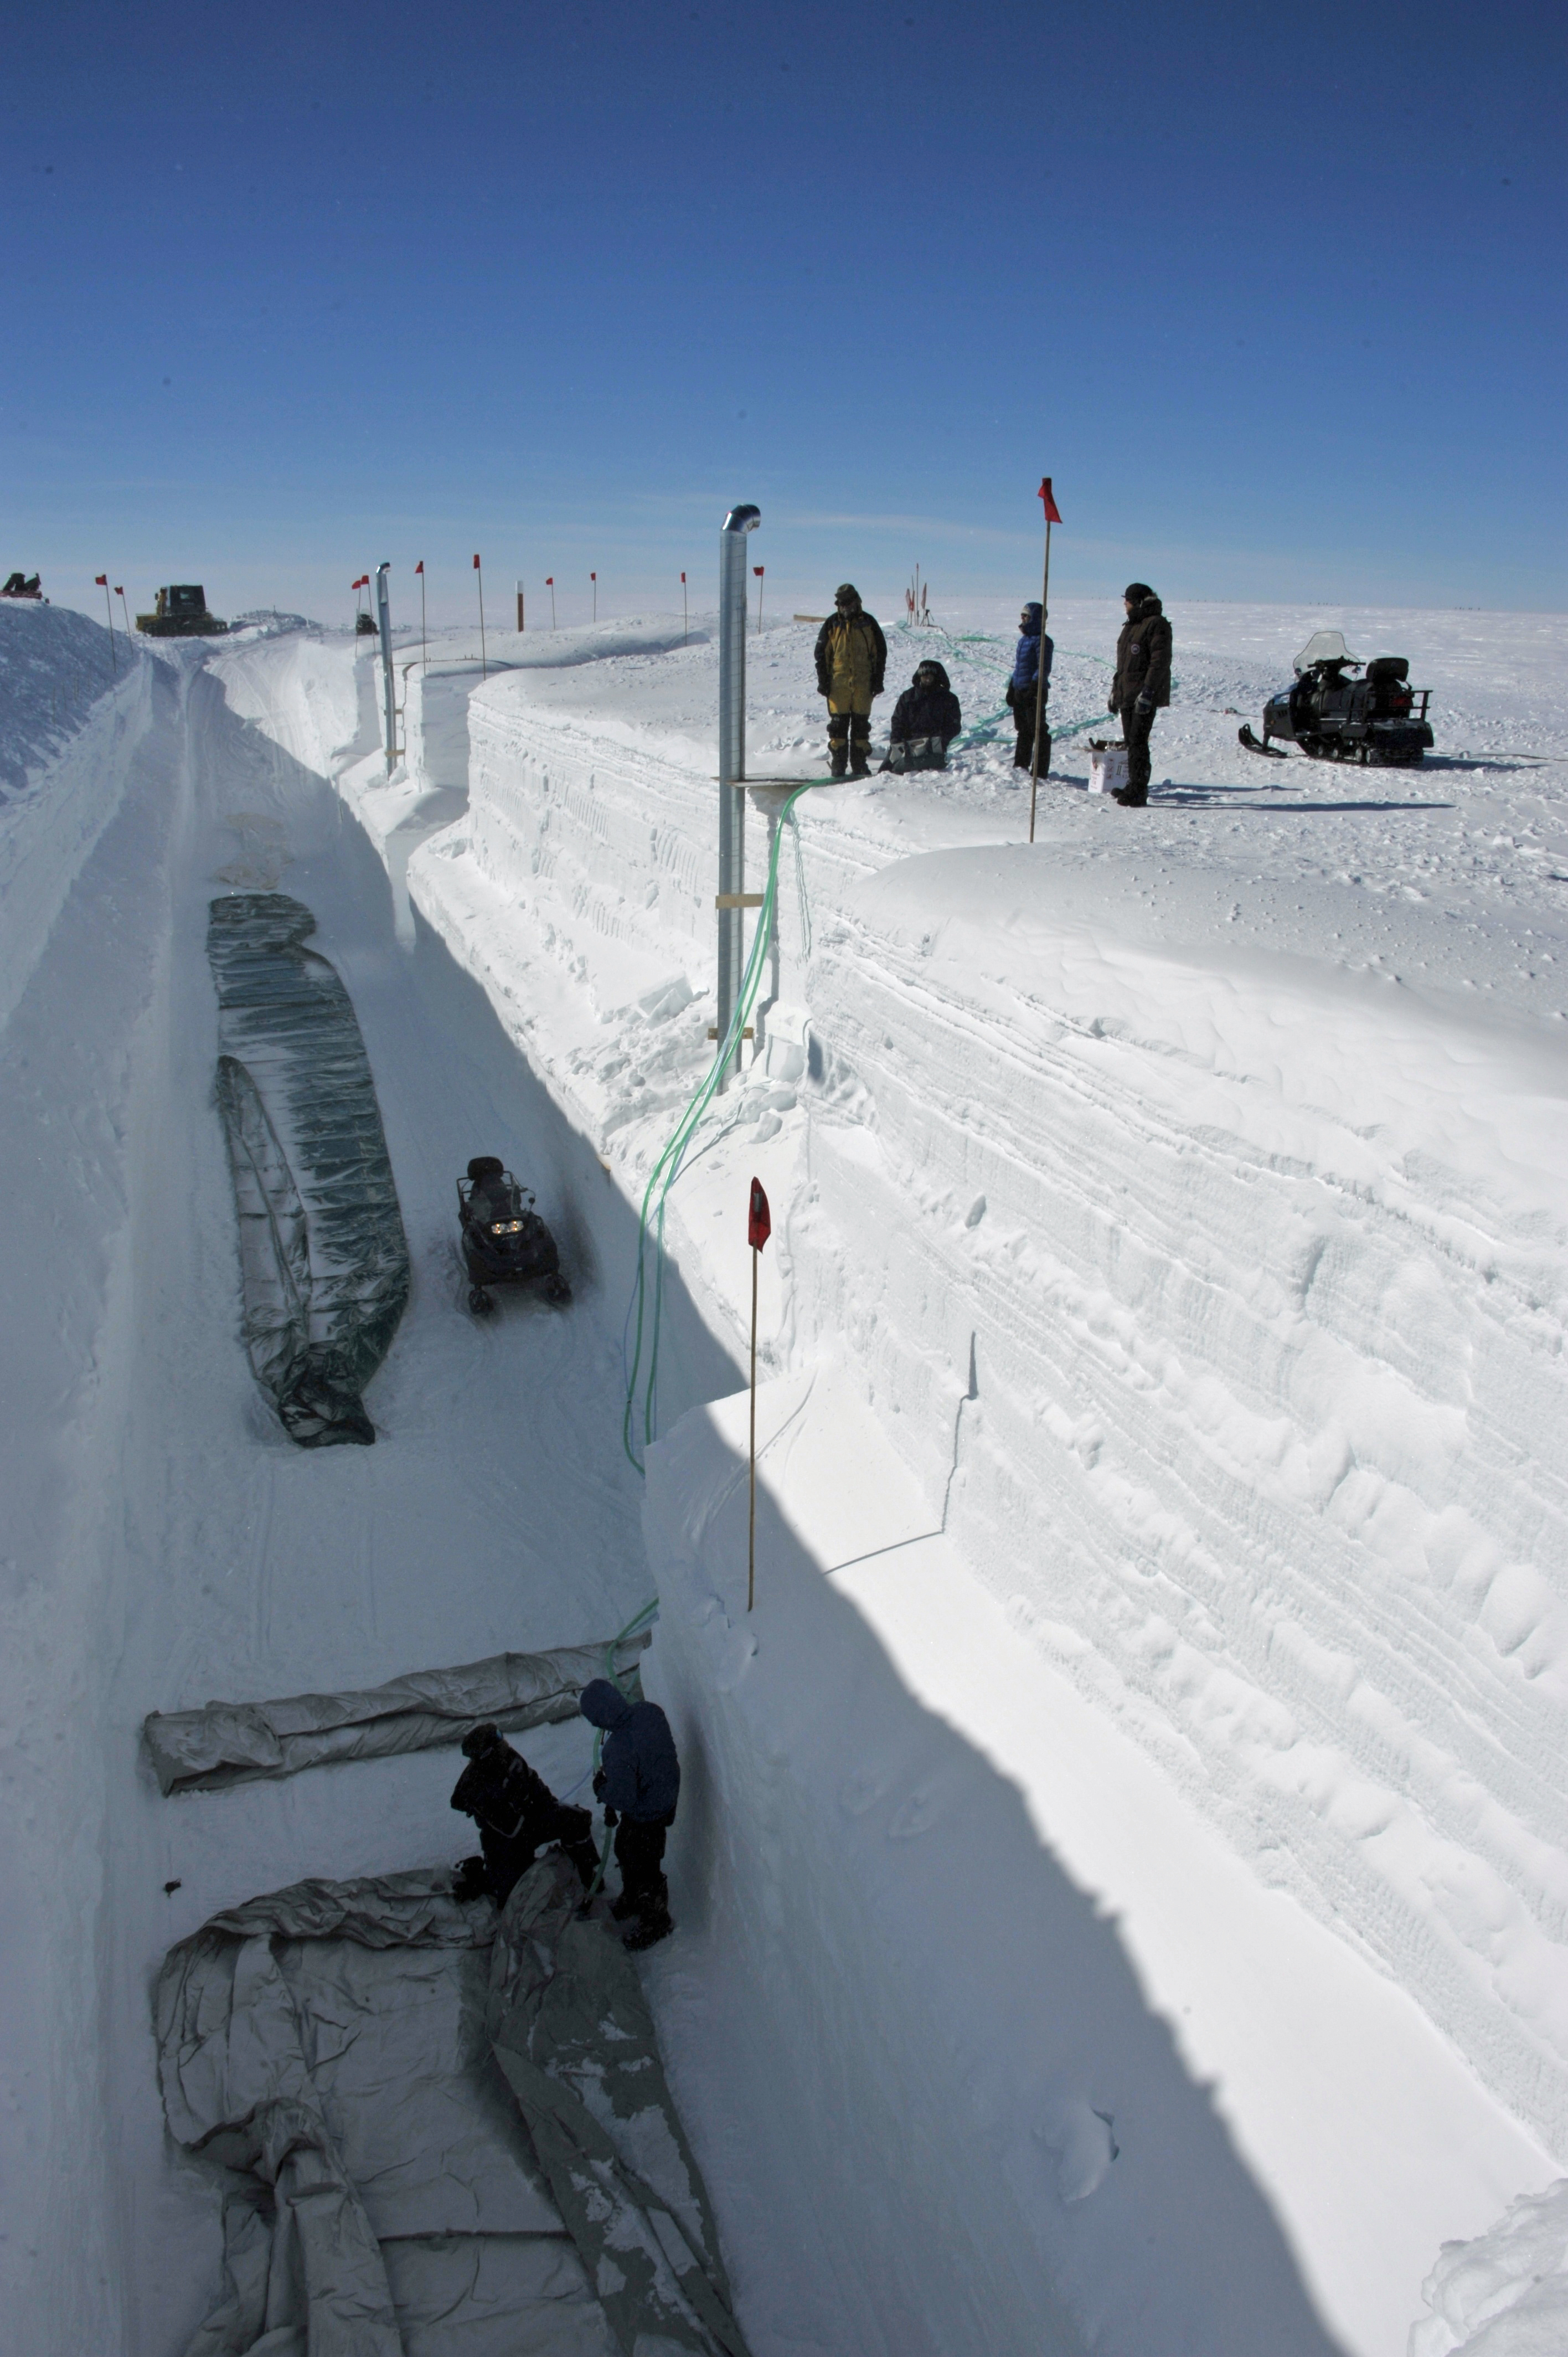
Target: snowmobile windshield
(1324, 646)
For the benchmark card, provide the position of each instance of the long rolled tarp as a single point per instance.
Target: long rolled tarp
(234, 1742)
(323, 1255)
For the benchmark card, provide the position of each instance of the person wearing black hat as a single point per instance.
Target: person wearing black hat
(852, 659)
(1143, 683)
(517, 1813)
(925, 719)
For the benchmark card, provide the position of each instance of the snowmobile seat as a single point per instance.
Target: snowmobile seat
(1388, 667)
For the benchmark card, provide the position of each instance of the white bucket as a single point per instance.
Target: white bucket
(1107, 768)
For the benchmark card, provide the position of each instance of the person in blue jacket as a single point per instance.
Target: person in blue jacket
(1033, 657)
(638, 1781)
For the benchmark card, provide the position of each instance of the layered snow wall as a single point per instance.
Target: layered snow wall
(1212, 1286)
(1194, 1231)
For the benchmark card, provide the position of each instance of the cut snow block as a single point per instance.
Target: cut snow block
(235, 1742)
(1107, 768)
(322, 1249)
(383, 2194)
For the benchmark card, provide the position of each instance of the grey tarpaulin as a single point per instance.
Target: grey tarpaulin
(330, 2051)
(324, 2050)
(569, 2028)
(234, 1742)
(322, 1249)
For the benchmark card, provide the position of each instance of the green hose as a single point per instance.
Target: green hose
(667, 1169)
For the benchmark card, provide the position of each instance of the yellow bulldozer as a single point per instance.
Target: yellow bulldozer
(182, 613)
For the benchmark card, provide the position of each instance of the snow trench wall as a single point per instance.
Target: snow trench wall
(1214, 1296)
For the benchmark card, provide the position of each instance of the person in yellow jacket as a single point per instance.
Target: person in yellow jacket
(852, 657)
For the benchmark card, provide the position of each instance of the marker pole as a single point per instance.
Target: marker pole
(484, 671)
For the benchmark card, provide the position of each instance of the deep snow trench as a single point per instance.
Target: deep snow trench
(1119, 1885)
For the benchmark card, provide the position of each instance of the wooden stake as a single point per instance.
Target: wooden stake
(1040, 683)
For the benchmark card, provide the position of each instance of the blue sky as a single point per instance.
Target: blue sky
(1276, 295)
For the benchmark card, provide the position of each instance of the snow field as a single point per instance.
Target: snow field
(1182, 1215)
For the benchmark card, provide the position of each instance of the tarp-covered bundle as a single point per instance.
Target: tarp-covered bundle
(332, 2049)
(322, 1248)
(234, 1742)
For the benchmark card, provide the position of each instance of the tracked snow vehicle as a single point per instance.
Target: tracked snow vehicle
(1377, 718)
(504, 1240)
(180, 612)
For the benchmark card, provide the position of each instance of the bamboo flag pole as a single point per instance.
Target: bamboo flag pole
(102, 581)
(550, 585)
(758, 569)
(419, 568)
(126, 611)
(684, 625)
(484, 671)
(1053, 515)
(595, 579)
(758, 1228)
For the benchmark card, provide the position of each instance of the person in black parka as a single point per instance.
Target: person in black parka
(638, 1781)
(1143, 683)
(517, 1813)
(1035, 654)
(925, 719)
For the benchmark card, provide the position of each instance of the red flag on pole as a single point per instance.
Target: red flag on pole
(1053, 513)
(550, 581)
(682, 576)
(476, 563)
(118, 591)
(102, 579)
(758, 1219)
(420, 566)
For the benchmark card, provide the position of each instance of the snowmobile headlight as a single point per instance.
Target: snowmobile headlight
(506, 1228)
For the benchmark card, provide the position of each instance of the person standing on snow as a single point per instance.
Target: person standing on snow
(925, 719)
(1143, 683)
(638, 1781)
(851, 661)
(1032, 661)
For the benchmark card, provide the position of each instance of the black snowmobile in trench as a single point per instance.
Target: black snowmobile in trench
(1333, 719)
(504, 1240)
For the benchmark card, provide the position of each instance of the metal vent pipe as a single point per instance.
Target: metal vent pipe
(737, 524)
(383, 627)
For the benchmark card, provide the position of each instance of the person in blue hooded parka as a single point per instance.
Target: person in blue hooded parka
(1033, 657)
(638, 1781)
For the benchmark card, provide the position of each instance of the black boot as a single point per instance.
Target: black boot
(1131, 797)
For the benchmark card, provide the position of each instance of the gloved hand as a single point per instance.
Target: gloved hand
(471, 1880)
(611, 1819)
(1111, 703)
(1143, 704)
(598, 1783)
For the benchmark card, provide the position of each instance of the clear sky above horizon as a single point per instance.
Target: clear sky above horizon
(1275, 296)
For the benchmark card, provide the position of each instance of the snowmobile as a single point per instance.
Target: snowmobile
(504, 1240)
(1333, 718)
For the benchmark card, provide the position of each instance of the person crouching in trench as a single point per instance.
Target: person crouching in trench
(517, 1813)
